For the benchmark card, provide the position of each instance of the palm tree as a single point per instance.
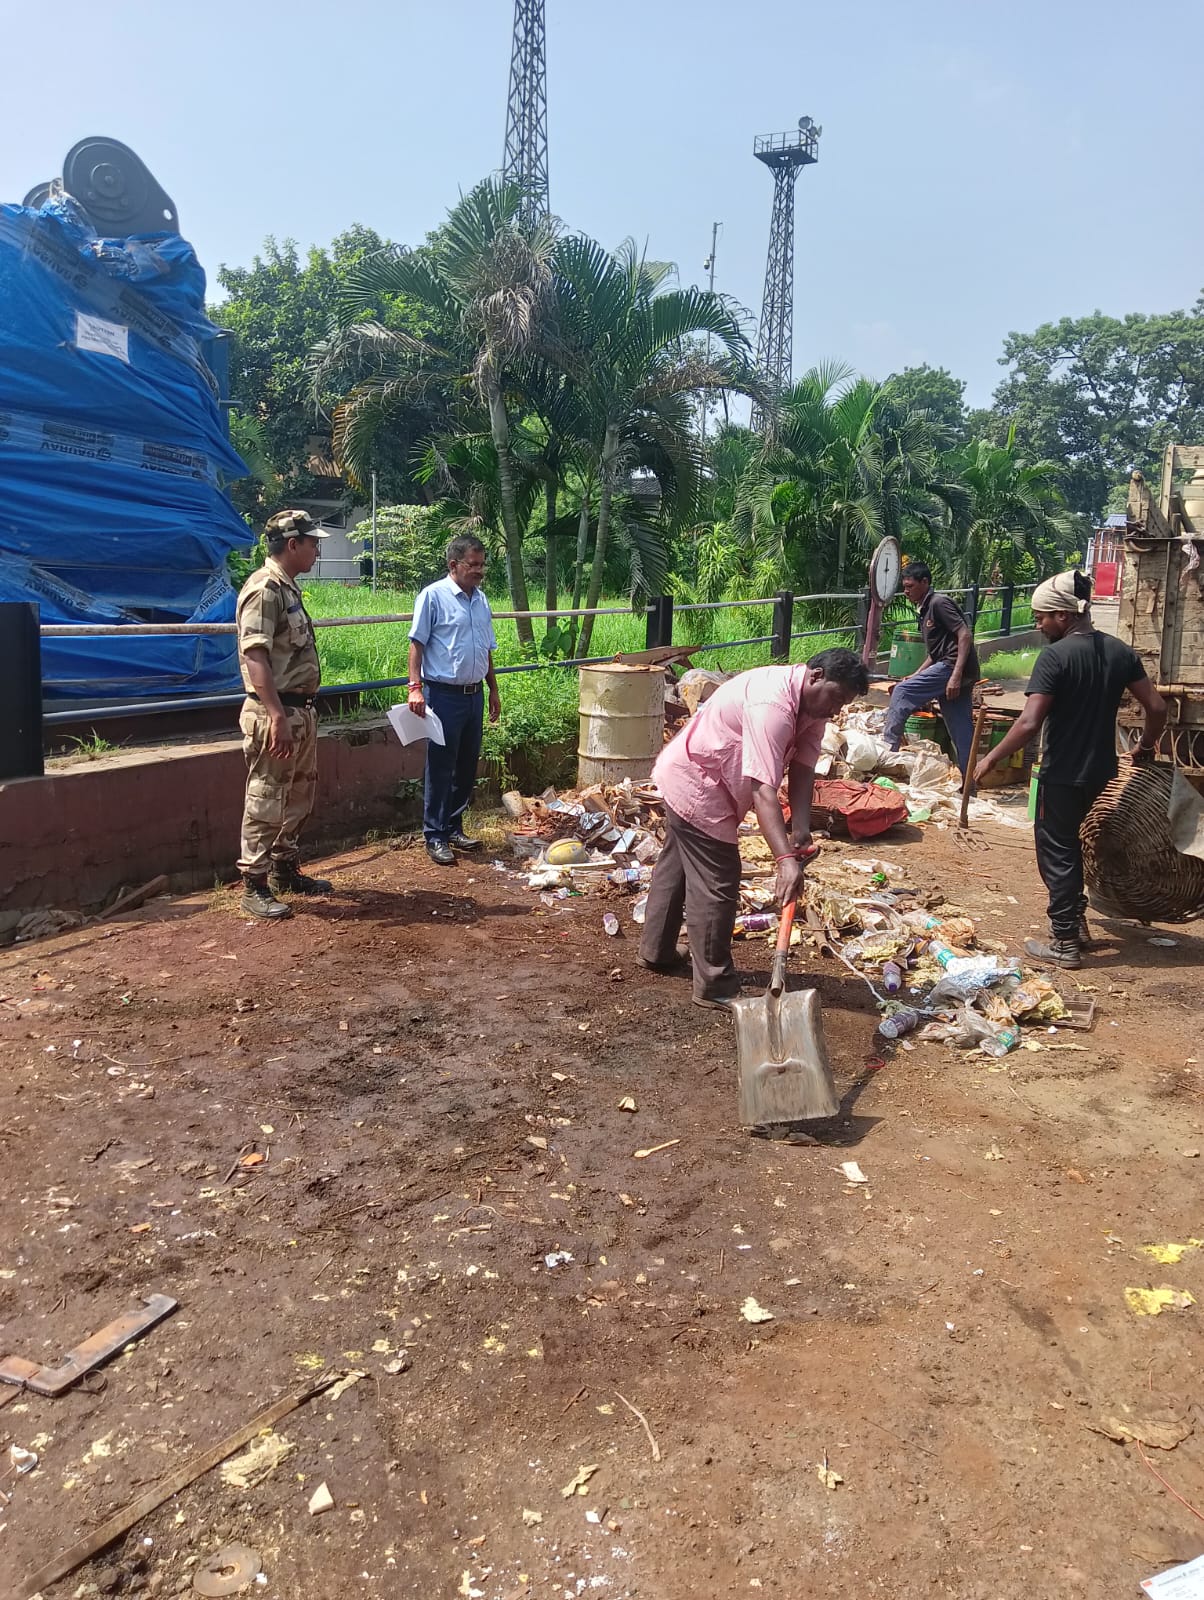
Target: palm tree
(487, 273)
(624, 343)
(1015, 520)
(844, 464)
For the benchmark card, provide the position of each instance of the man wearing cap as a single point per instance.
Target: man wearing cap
(757, 729)
(451, 658)
(278, 659)
(948, 672)
(1074, 692)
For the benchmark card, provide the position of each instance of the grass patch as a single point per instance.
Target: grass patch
(539, 708)
(1009, 664)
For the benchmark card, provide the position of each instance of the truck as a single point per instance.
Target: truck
(1161, 613)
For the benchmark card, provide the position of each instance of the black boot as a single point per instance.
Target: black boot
(286, 877)
(259, 901)
(1058, 952)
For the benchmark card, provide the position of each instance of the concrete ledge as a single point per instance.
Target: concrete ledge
(75, 836)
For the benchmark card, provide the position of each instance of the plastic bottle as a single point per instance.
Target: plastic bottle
(892, 977)
(940, 952)
(638, 909)
(610, 924)
(756, 922)
(898, 1023)
(999, 1044)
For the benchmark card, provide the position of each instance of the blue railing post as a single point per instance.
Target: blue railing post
(1005, 620)
(660, 622)
(783, 622)
(21, 702)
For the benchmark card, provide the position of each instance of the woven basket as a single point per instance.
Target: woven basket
(1131, 867)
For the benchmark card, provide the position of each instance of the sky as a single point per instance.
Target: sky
(982, 169)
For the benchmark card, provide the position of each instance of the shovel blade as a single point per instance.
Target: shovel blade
(785, 1075)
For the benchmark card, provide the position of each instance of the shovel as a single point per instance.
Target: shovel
(781, 1050)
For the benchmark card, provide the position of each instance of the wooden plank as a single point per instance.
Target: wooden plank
(120, 1523)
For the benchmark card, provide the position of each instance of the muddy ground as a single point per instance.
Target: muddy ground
(430, 1064)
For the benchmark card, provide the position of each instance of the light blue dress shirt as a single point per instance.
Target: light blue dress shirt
(454, 626)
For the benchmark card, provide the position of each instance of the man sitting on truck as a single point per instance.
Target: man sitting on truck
(1075, 689)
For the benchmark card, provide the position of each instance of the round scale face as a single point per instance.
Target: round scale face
(885, 570)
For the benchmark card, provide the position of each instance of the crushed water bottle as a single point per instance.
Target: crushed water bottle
(999, 1044)
(898, 1023)
(892, 977)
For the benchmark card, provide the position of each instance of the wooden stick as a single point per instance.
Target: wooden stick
(135, 897)
(656, 1449)
(968, 778)
(121, 1523)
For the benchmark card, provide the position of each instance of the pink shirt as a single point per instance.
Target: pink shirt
(749, 731)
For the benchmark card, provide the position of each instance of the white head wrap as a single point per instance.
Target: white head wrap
(1068, 591)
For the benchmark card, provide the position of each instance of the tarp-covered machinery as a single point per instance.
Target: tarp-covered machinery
(114, 455)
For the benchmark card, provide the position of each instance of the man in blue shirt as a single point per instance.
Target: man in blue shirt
(451, 655)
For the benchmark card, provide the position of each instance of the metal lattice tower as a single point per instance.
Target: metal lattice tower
(785, 154)
(526, 159)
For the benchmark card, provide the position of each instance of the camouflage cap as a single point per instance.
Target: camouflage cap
(292, 524)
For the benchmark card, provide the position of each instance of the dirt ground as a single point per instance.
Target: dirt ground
(430, 1064)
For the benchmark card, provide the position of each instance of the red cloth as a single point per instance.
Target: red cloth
(864, 808)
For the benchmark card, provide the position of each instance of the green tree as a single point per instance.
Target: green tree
(935, 392)
(845, 464)
(278, 309)
(1101, 395)
(1015, 524)
(486, 277)
(629, 346)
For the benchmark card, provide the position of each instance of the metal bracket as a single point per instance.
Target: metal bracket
(92, 1353)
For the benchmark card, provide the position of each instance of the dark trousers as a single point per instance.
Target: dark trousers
(700, 876)
(1061, 808)
(929, 684)
(451, 768)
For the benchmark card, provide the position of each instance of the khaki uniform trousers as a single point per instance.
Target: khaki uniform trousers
(280, 794)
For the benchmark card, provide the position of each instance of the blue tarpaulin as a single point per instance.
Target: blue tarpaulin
(113, 454)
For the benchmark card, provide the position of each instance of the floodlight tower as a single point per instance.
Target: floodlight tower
(785, 154)
(526, 159)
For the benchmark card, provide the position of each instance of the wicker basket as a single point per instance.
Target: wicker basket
(1131, 867)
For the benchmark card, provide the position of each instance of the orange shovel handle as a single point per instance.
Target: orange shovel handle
(785, 927)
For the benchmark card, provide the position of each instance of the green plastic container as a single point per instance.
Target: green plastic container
(929, 727)
(906, 653)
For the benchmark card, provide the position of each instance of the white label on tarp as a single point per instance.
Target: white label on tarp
(106, 338)
(1178, 1583)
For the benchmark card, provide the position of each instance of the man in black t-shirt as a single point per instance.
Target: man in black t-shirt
(949, 670)
(1077, 685)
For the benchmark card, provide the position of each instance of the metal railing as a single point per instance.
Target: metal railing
(22, 712)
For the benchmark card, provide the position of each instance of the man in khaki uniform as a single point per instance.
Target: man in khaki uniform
(278, 659)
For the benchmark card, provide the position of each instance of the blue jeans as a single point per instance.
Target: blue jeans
(929, 684)
(451, 768)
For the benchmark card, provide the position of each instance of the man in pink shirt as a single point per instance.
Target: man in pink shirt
(731, 757)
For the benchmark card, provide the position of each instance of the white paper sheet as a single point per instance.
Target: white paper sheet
(409, 726)
(1178, 1583)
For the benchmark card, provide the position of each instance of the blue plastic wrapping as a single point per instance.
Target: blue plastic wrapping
(113, 454)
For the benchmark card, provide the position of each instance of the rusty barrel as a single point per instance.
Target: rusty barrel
(622, 722)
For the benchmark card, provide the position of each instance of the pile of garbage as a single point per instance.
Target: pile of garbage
(925, 962)
(926, 785)
(603, 840)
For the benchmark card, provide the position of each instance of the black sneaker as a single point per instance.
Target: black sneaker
(461, 841)
(1057, 953)
(259, 901)
(440, 853)
(287, 878)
